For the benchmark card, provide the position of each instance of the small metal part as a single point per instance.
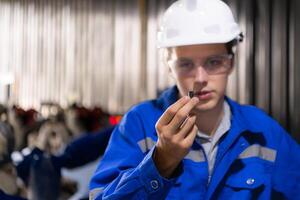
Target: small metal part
(191, 94)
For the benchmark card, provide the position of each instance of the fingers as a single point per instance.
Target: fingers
(172, 110)
(182, 114)
(186, 128)
(176, 129)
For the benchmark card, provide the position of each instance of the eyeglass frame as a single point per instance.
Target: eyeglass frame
(204, 65)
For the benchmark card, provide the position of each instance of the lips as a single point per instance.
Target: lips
(204, 95)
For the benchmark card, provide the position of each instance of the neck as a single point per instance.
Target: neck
(208, 121)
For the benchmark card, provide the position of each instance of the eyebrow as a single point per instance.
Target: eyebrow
(211, 56)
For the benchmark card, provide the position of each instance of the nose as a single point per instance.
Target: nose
(201, 76)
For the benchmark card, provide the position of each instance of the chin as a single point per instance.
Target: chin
(206, 105)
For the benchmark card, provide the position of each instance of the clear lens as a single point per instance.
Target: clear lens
(216, 64)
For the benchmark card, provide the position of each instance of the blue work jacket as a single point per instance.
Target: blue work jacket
(256, 159)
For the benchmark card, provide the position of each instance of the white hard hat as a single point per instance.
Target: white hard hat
(189, 22)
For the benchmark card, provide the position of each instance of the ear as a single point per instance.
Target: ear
(171, 73)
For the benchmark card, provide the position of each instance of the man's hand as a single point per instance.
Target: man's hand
(176, 131)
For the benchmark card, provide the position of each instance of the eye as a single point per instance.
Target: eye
(185, 64)
(215, 62)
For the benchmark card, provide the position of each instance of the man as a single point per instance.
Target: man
(205, 146)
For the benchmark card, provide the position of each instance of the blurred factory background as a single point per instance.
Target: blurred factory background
(101, 55)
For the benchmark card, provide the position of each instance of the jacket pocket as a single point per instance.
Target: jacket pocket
(247, 181)
(246, 185)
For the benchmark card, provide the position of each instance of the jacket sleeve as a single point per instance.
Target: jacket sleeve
(126, 171)
(286, 177)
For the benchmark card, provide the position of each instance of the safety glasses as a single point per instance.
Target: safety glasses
(216, 64)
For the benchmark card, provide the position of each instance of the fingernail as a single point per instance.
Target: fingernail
(186, 98)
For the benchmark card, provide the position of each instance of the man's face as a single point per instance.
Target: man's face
(203, 69)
